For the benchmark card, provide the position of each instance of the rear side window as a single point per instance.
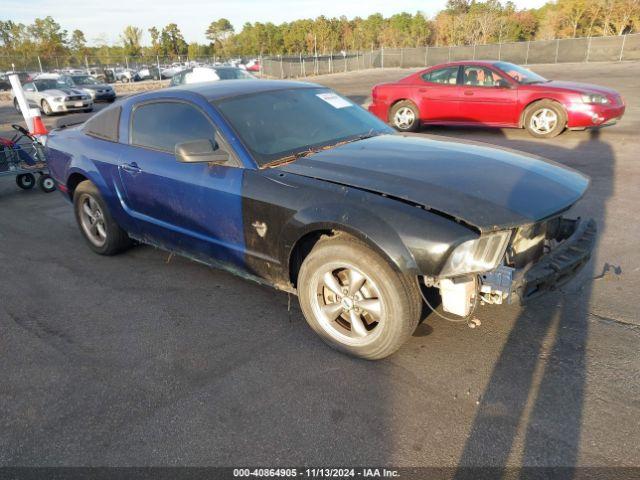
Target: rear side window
(161, 125)
(446, 76)
(104, 125)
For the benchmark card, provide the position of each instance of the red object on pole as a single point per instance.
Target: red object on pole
(38, 127)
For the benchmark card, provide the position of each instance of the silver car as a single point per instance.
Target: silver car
(55, 95)
(98, 91)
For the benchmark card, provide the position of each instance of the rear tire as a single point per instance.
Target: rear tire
(368, 318)
(26, 181)
(97, 226)
(405, 116)
(545, 119)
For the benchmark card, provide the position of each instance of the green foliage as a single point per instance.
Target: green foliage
(131, 39)
(172, 42)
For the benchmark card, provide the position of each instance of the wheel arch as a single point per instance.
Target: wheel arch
(387, 244)
(73, 181)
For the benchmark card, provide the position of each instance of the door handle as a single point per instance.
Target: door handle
(468, 92)
(131, 167)
(422, 90)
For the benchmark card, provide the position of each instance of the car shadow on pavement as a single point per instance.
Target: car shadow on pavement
(530, 413)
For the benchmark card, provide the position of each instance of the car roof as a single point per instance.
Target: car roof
(49, 76)
(469, 62)
(234, 88)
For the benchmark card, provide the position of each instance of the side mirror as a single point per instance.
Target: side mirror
(201, 151)
(502, 83)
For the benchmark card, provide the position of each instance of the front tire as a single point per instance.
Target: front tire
(355, 300)
(545, 119)
(99, 229)
(405, 116)
(46, 108)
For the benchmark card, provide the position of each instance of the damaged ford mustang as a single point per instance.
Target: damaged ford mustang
(294, 186)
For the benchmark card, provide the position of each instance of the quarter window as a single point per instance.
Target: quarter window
(447, 76)
(161, 125)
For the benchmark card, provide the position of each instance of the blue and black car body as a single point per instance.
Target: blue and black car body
(478, 223)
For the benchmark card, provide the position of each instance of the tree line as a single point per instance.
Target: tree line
(461, 22)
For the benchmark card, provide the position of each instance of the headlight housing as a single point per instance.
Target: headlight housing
(479, 255)
(594, 98)
(58, 99)
(92, 93)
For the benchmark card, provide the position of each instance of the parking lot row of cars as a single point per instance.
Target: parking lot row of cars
(77, 90)
(126, 75)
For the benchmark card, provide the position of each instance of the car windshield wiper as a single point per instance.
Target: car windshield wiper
(305, 153)
(293, 157)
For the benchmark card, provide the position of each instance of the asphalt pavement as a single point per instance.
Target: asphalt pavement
(147, 359)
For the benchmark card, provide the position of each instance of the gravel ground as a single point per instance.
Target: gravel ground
(141, 359)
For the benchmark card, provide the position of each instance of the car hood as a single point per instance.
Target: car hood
(487, 188)
(580, 87)
(62, 92)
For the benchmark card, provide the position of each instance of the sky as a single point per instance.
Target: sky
(107, 18)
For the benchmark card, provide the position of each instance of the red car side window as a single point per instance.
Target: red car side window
(443, 76)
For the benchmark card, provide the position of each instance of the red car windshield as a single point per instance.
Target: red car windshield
(520, 74)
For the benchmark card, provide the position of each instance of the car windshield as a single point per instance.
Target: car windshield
(232, 74)
(52, 83)
(84, 80)
(520, 74)
(277, 125)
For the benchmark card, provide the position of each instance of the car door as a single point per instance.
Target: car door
(438, 92)
(487, 97)
(193, 208)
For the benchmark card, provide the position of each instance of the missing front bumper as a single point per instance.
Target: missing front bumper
(558, 266)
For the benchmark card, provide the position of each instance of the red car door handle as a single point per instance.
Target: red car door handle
(422, 90)
(468, 92)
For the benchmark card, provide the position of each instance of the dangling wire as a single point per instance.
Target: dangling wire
(449, 319)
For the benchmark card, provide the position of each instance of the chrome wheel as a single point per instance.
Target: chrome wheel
(348, 304)
(92, 221)
(46, 108)
(543, 121)
(404, 118)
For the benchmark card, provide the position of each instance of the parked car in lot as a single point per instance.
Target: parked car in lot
(97, 91)
(253, 66)
(209, 74)
(292, 185)
(494, 94)
(147, 73)
(53, 93)
(4, 79)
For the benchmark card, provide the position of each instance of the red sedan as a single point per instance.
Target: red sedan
(494, 94)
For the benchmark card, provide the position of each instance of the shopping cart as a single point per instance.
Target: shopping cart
(23, 157)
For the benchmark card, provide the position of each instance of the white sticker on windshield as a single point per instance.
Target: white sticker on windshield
(334, 100)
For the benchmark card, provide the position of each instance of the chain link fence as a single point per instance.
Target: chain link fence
(569, 50)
